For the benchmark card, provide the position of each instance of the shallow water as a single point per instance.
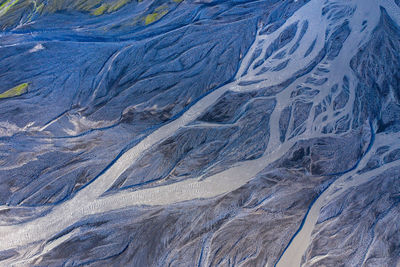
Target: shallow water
(217, 132)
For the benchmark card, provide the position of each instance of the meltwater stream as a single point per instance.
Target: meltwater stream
(247, 119)
(297, 247)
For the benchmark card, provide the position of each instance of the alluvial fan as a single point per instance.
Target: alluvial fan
(200, 133)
